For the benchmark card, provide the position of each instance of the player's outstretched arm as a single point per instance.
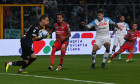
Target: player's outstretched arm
(37, 38)
(113, 33)
(84, 24)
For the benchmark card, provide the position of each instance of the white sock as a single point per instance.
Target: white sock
(21, 69)
(93, 57)
(105, 57)
(10, 63)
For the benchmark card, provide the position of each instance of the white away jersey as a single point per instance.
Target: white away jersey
(124, 26)
(102, 27)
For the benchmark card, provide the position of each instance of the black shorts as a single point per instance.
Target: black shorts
(27, 49)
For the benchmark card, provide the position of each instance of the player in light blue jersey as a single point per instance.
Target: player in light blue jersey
(119, 38)
(102, 36)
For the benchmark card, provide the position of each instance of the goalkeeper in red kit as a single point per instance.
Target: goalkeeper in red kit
(130, 38)
(63, 33)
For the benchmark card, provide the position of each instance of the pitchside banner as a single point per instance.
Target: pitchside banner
(80, 43)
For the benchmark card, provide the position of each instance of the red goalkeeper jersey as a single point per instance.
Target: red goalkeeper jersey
(131, 37)
(61, 30)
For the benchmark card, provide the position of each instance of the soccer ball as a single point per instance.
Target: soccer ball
(43, 33)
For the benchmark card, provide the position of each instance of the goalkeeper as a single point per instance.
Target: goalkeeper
(28, 55)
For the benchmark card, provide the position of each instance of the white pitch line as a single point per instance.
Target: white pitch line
(56, 78)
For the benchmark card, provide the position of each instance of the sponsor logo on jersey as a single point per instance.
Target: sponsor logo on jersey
(102, 24)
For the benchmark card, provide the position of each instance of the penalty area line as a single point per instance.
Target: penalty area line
(47, 77)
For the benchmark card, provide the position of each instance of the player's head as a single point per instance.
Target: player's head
(100, 15)
(122, 18)
(44, 20)
(60, 17)
(134, 26)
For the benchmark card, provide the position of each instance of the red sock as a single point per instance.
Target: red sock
(62, 56)
(130, 56)
(53, 56)
(114, 55)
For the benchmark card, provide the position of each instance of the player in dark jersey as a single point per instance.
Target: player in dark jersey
(28, 54)
(63, 33)
(130, 38)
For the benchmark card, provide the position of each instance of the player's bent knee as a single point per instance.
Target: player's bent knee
(63, 51)
(33, 55)
(26, 61)
(33, 59)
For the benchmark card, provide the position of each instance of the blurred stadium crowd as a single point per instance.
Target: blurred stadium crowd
(76, 11)
(71, 1)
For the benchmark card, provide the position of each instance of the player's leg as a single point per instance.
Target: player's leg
(29, 61)
(95, 48)
(17, 63)
(113, 50)
(122, 49)
(121, 42)
(107, 46)
(52, 57)
(114, 47)
(119, 57)
(131, 51)
(63, 51)
(56, 46)
(115, 54)
(25, 55)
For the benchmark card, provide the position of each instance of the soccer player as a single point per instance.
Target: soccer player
(130, 38)
(28, 54)
(102, 36)
(119, 38)
(63, 33)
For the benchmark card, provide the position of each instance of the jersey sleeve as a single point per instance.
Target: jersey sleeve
(91, 24)
(68, 28)
(34, 31)
(110, 21)
(127, 27)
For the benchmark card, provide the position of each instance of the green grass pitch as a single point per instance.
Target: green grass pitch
(76, 70)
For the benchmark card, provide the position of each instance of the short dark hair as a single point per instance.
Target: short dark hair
(60, 14)
(43, 17)
(135, 23)
(100, 11)
(121, 16)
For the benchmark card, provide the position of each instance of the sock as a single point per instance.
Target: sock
(10, 63)
(105, 57)
(119, 55)
(114, 55)
(19, 63)
(130, 56)
(30, 61)
(53, 56)
(93, 57)
(62, 57)
(21, 69)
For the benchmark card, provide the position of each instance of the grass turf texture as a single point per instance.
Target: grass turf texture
(75, 67)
